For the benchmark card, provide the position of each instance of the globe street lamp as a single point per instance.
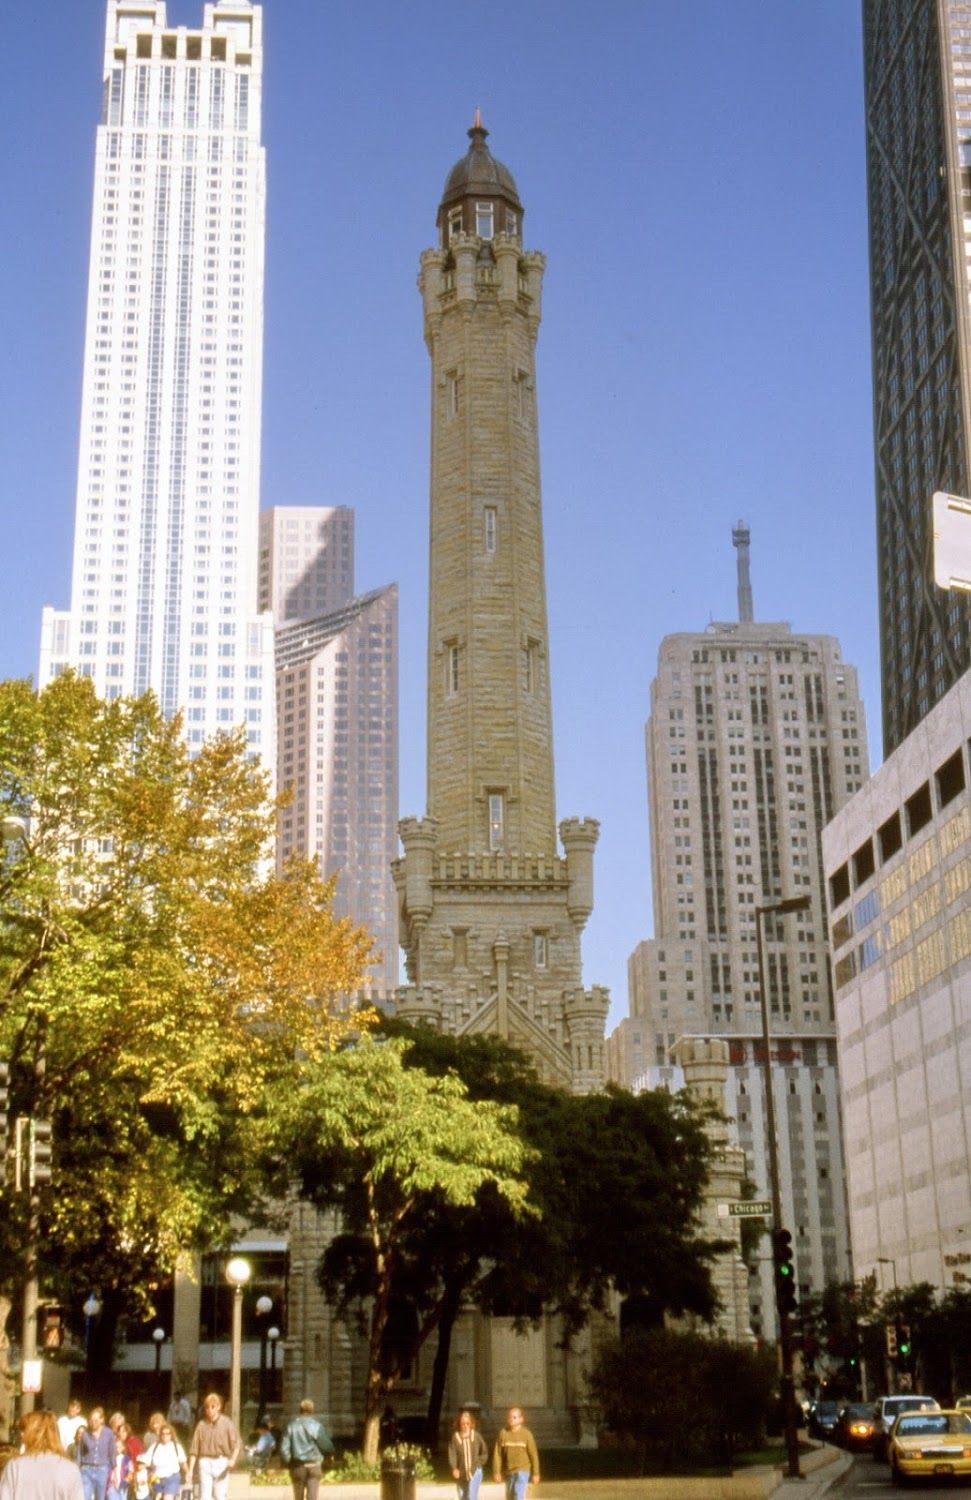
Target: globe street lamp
(238, 1273)
(786, 1382)
(264, 1306)
(158, 1334)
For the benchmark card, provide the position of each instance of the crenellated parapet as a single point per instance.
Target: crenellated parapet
(585, 1014)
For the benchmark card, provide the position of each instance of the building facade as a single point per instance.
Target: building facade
(756, 738)
(898, 865)
(337, 717)
(306, 561)
(917, 61)
(164, 581)
(491, 911)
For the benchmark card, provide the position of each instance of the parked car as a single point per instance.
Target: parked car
(963, 1403)
(854, 1426)
(889, 1407)
(930, 1443)
(822, 1419)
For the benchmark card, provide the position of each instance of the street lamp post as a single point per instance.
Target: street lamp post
(885, 1260)
(158, 1335)
(14, 830)
(264, 1306)
(787, 1383)
(238, 1273)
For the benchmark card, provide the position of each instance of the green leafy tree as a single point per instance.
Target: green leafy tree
(833, 1326)
(389, 1146)
(155, 975)
(594, 1163)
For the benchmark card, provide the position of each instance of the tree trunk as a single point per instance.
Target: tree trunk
(451, 1302)
(377, 1385)
(6, 1379)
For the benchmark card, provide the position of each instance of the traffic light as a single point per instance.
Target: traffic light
(891, 1333)
(4, 1120)
(40, 1152)
(51, 1328)
(785, 1271)
(903, 1340)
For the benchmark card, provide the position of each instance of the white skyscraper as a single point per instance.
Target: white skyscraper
(164, 587)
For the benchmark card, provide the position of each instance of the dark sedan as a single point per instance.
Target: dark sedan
(855, 1427)
(822, 1419)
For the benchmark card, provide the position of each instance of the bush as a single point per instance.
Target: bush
(683, 1399)
(350, 1468)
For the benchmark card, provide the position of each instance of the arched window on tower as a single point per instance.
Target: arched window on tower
(484, 220)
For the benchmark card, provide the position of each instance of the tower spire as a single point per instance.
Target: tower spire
(740, 540)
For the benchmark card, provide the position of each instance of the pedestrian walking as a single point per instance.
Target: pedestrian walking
(215, 1448)
(67, 1426)
(166, 1462)
(41, 1471)
(180, 1415)
(467, 1453)
(95, 1444)
(514, 1458)
(154, 1428)
(122, 1469)
(306, 1444)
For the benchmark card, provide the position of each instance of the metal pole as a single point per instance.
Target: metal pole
(28, 1327)
(237, 1339)
(786, 1381)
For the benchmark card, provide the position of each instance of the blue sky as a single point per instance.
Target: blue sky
(695, 177)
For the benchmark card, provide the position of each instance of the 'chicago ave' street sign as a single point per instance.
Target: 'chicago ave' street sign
(756, 1209)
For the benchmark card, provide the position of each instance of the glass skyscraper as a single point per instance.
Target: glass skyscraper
(164, 586)
(917, 57)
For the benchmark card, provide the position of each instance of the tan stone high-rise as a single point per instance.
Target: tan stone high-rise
(491, 911)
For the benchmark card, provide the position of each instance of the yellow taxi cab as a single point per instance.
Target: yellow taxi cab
(928, 1443)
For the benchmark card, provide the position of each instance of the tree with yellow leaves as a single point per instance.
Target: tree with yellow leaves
(156, 975)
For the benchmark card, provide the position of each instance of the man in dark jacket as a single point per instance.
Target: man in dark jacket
(306, 1443)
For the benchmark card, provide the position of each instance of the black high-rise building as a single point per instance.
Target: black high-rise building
(917, 60)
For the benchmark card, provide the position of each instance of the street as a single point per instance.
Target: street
(868, 1480)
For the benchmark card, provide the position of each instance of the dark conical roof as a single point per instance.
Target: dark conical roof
(478, 172)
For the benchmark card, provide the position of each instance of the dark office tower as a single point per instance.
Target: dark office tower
(917, 58)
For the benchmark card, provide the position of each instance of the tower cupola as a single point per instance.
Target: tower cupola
(480, 197)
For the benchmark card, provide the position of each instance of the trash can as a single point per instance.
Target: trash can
(397, 1479)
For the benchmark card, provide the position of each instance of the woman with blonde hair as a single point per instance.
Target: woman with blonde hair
(41, 1472)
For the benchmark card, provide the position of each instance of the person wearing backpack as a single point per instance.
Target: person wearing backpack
(306, 1443)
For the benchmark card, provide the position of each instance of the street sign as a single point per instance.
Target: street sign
(755, 1209)
(31, 1372)
(951, 518)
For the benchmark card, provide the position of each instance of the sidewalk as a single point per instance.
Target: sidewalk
(820, 1468)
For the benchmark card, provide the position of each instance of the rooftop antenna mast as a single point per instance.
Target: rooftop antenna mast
(740, 539)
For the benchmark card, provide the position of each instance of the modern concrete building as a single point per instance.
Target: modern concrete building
(164, 583)
(491, 911)
(898, 866)
(306, 560)
(756, 738)
(918, 123)
(337, 716)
